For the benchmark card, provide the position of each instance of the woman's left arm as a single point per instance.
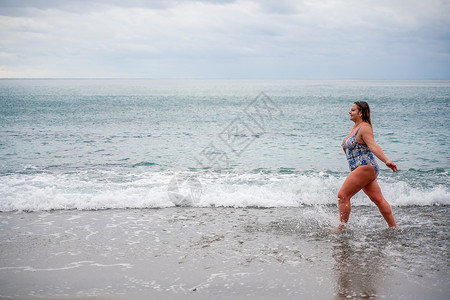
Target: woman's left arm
(367, 136)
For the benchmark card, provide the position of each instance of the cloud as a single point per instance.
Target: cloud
(224, 38)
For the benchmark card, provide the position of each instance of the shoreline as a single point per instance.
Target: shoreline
(222, 253)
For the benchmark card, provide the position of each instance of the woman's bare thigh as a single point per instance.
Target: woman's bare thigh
(356, 180)
(373, 191)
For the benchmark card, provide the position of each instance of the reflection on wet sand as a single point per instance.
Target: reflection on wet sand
(360, 266)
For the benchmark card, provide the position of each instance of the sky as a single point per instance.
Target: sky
(285, 39)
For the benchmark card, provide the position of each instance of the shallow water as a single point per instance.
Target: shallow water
(225, 253)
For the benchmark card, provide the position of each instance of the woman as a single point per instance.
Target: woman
(358, 147)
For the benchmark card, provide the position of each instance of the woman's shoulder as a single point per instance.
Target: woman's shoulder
(365, 128)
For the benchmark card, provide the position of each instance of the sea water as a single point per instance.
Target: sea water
(254, 166)
(101, 144)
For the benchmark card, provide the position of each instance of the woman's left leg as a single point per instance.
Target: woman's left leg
(374, 192)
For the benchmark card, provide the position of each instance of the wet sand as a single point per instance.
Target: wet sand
(223, 253)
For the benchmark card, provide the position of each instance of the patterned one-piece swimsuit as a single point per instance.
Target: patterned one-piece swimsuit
(358, 155)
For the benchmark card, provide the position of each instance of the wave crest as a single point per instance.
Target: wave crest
(93, 190)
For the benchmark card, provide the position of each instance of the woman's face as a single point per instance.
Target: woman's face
(355, 113)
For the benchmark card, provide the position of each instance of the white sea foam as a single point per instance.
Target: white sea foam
(93, 191)
(72, 265)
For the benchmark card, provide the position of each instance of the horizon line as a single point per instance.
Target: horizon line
(210, 78)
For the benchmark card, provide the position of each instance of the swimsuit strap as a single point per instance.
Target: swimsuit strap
(357, 131)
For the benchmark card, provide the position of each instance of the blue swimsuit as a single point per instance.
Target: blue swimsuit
(358, 155)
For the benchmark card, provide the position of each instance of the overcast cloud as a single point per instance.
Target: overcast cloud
(225, 39)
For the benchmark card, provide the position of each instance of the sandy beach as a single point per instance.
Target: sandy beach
(222, 253)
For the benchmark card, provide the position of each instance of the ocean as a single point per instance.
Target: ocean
(101, 144)
(256, 163)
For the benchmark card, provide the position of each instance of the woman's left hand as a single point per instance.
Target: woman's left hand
(392, 166)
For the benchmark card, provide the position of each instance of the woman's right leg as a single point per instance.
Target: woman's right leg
(356, 180)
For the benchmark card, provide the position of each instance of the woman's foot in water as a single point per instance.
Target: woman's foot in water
(341, 228)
